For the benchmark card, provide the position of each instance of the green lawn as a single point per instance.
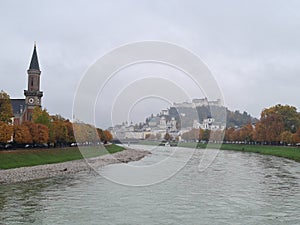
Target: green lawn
(33, 157)
(280, 151)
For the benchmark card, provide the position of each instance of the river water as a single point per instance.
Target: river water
(237, 188)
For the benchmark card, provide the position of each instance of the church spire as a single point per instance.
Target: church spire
(34, 64)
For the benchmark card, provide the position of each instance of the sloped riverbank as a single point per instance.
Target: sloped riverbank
(23, 174)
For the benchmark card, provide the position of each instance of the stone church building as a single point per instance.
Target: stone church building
(23, 108)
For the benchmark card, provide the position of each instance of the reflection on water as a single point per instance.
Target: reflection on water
(238, 188)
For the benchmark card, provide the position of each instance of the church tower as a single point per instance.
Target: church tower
(33, 95)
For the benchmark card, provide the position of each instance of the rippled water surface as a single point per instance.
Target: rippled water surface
(238, 188)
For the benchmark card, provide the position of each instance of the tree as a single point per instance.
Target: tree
(296, 137)
(246, 133)
(228, 134)
(61, 131)
(43, 134)
(6, 132)
(216, 135)
(58, 132)
(70, 131)
(158, 136)
(151, 137)
(206, 135)
(79, 132)
(168, 137)
(6, 112)
(289, 115)
(85, 133)
(194, 134)
(201, 132)
(259, 134)
(100, 134)
(41, 116)
(274, 127)
(39, 132)
(104, 135)
(271, 126)
(108, 136)
(22, 134)
(286, 137)
(235, 136)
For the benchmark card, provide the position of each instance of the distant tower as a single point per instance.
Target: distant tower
(33, 95)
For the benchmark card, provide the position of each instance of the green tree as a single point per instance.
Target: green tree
(6, 112)
(206, 135)
(41, 116)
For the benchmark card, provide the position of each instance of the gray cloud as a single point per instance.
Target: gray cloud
(252, 47)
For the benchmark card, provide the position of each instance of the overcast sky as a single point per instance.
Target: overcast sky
(251, 47)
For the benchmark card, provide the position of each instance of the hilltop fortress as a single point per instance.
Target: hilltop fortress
(197, 103)
(179, 118)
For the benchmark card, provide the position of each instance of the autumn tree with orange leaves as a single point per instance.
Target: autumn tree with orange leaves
(39, 132)
(276, 124)
(22, 134)
(6, 132)
(296, 137)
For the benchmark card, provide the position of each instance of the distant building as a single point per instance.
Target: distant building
(23, 108)
(165, 112)
(153, 122)
(162, 123)
(172, 125)
(198, 102)
(208, 124)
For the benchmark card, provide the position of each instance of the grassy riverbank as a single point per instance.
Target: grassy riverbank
(280, 151)
(33, 157)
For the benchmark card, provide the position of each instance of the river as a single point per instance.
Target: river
(237, 188)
